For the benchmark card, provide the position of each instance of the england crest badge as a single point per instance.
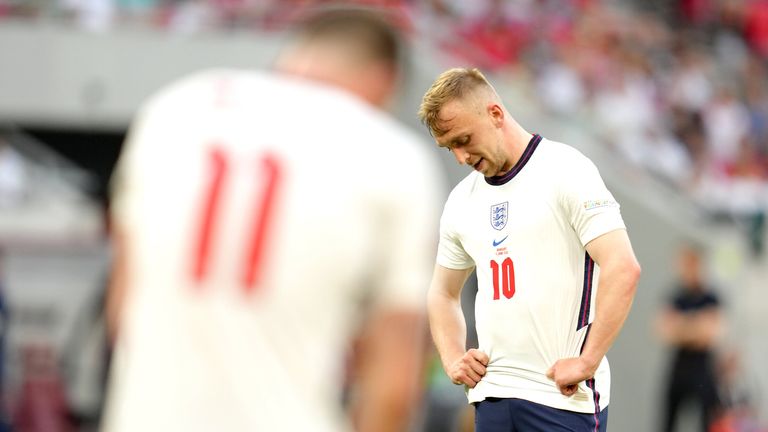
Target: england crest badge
(499, 215)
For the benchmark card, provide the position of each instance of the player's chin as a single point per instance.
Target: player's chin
(486, 169)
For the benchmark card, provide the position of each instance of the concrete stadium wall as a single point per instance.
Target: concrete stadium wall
(54, 74)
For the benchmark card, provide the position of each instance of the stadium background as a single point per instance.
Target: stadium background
(72, 73)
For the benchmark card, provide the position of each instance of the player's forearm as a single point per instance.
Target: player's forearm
(689, 329)
(389, 407)
(118, 282)
(447, 325)
(385, 414)
(701, 330)
(389, 382)
(617, 287)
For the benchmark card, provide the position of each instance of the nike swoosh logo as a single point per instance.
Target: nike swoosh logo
(496, 243)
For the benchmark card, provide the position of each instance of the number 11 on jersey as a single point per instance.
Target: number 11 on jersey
(507, 278)
(255, 234)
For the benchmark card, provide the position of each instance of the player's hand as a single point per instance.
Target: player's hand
(469, 368)
(568, 373)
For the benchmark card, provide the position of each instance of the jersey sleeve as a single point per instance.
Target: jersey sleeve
(590, 207)
(450, 252)
(149, 149)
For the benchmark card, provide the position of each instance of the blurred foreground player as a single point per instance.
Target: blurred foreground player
(262, 221)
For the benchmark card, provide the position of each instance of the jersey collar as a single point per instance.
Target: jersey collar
(529, 149)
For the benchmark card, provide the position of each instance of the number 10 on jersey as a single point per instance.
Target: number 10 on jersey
(507, 278)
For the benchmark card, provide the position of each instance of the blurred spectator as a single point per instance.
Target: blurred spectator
(688, 82)
(497, 35)
(660, 153)
(736, 392)
(756, 99)
(625, 105)
(194, 16)
(42, 404)
(92, 15)
(143, 7)
(4, 321)
(696, 12)
(690, 324)
(756, 25)
(726, 125)
(559, 86)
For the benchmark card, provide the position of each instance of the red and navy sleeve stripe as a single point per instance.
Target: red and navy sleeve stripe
(586, 292)
(592, 386)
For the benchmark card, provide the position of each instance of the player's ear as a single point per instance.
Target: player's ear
(383, 81)
(496, 113)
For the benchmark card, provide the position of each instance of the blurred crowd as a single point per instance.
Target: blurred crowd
(676, 87)
(683, 96)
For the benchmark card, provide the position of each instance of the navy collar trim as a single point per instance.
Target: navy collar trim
(503, 179)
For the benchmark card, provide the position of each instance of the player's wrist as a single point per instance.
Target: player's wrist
(450, 359)
(590, 362)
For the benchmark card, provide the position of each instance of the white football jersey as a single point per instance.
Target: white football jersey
(261, 214)
(525, 233)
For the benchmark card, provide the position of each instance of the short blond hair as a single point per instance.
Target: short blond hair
(452, 84)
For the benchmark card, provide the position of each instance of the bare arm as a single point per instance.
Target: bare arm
(390, 364)
(619, 274)
(448, 327)
(697, 330)
(117, 289)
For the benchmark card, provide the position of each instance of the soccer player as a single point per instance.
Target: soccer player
(555, 269)
(263, 221)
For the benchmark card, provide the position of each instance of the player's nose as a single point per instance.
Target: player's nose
(461, 156)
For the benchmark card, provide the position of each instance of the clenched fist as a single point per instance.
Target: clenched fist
(469, 368)
(568, 373)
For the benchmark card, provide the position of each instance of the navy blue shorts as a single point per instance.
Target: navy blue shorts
(518, 415)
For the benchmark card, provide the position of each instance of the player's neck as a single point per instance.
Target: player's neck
(517, 140)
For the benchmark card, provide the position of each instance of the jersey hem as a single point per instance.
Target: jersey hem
(582, 402)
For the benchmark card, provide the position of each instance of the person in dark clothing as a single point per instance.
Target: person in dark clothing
(690, 323)
(5, 425)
